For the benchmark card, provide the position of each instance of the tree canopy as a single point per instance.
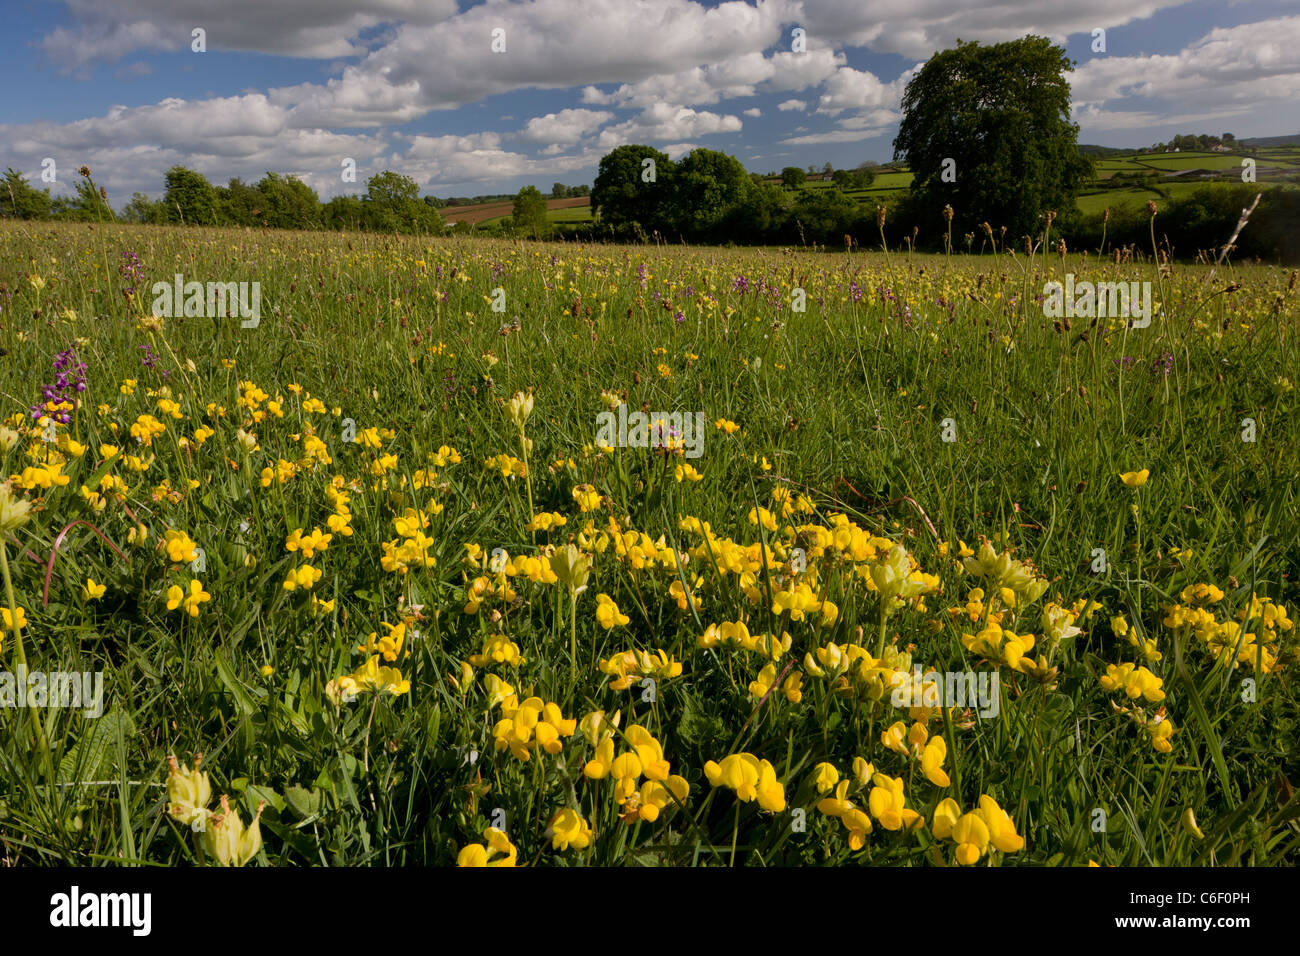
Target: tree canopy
(529, 215)
(986, 130)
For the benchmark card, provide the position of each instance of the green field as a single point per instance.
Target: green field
(379, 558)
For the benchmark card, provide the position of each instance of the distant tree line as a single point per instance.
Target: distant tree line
(391, 203)
(1195, 142)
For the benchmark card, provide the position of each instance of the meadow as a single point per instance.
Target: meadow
(365, 588)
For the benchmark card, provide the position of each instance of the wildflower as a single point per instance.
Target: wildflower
(307, 545)
(91, 591)
(519, 408)
(826, 777)
(975, 833)
(228, 840)
(188, 793)
(608, 615)
(14, 511)
(849, 814)
(1135, 479)
(188, 598)
(180, 546)
(568, 829)
(303, 577)
(888, 805)
(750, 778)
(498, 851)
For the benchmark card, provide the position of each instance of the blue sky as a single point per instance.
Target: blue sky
(298, 86)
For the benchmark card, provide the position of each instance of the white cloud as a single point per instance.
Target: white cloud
(918, 28)
(859, 89)
(106, 30)
(662, 122)
(245, 136)
(753, 113)
(1228, 73)
(743, 75)
(564, 128)
(556, 44)
(834, 136)
(788, 105)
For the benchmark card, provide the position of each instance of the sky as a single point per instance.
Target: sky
(471, 98)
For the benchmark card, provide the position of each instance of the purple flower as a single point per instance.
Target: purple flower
(132, 272)
(70, 380)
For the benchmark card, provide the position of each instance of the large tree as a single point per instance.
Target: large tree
(288, 202)
(528, 218)
(18, 200)
(710, 192)
(628, 190)
(189, 198)
(393, 204)
(792, 177)
(1001, 114)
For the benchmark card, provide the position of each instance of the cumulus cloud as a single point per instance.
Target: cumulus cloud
(1229, 72)
(662, 122)
(564, 128)
(916, 29)
(551, 45)
(106, 30)
(788, 105)
(132, 147)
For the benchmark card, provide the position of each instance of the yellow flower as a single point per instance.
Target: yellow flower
(826, 777)
(946, 815)
(519, 407)
(187, 598)
(568, 829)
(608, 615)
(750, 778)
(180, 547)
(1135, 479)
(571, 568)
(309, 544)
(587, 498)
(303, 577)
(499, 851)
(932, 761)
(227, 839)
(971, 834)
(14, 512)
(91, 591)
(888, 805)
(188, 793)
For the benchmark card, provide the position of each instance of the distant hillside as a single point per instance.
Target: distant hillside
(1106, 152)
(1291, 140)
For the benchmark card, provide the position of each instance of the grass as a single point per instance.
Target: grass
(842, 413)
